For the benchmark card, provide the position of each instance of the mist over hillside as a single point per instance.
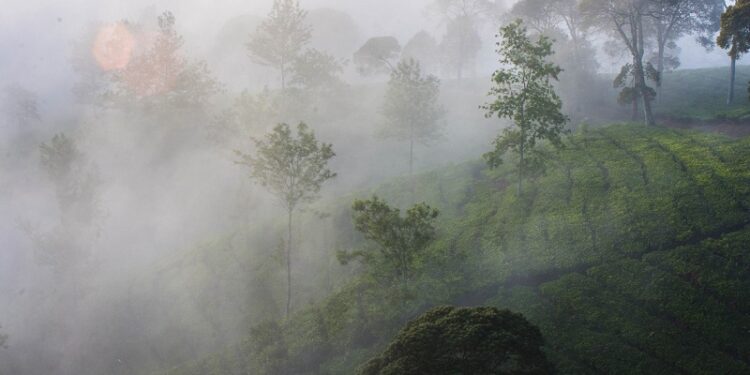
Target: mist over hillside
(279, 187)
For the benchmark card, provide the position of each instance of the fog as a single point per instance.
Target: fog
(152, 247)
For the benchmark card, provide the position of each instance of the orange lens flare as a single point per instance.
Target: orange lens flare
(113, 47)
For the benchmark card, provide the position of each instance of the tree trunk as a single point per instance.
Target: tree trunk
(289, 264)
(520, 164)
(732, 77)
(660, 69)
(639, 71)
(411, 157)
(634, 110)
(647, 112)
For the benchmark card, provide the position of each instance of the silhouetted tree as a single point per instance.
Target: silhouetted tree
(377, 55)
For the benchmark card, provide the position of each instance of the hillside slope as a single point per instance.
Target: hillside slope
(630, 254)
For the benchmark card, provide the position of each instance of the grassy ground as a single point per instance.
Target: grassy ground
(701, 94)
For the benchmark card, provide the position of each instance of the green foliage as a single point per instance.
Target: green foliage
(448, 340)
(400, 240)
(526, 96)
(625, 81)
(629, 254)
(267, 351)
(291, 168)
(734, 34)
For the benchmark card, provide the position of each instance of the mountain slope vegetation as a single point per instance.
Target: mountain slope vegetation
(629, 253)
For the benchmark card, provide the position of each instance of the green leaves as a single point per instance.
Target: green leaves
(734, 34)
(292, 168)
(525, 95)
(400, 239)
(448, 340)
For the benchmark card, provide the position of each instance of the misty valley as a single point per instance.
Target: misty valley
(431, 187)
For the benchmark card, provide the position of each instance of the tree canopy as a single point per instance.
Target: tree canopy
(454, 341)
(735, 36)
(400, 239)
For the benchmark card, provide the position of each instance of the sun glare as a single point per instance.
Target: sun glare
(113, 46)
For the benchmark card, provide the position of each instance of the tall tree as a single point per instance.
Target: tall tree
(279, 40)
(735, 37)
(447, 340)
(524, 94)
(411, 107)
(562, 21)
(627, 20)
(293, 169)
(462, 19)
(672, 19)
(400, 239)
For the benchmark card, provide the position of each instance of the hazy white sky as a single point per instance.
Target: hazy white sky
(35, 35)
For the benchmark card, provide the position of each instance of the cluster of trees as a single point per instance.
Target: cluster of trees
(646, 29)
